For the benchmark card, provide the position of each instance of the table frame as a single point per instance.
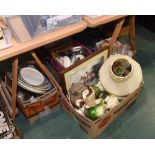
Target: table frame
(119, 23)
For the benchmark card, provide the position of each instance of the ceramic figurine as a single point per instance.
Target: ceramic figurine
(80, 103)
(75, 92)
(89, 98)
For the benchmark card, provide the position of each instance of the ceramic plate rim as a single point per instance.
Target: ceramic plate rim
(36, 71)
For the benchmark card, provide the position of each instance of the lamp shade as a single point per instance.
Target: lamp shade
(120, 85)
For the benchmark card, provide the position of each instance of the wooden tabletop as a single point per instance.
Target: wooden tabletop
(20, 48)
(100, 20)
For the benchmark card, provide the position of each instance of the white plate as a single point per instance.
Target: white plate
(32, 76)
(31, 88)
(76, 48)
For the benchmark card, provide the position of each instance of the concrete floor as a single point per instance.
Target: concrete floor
(137, 122)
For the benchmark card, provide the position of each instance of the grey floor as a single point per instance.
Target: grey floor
(137, 122)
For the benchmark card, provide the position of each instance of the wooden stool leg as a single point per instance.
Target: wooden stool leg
(116, 33)
(14, 85)
(132, 34)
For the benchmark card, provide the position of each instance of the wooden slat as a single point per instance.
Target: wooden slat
(132, 33)
(6, 102)
(124, 31)
(14, 85)
(116, 33)
(7, 93)
(20, 48)
(9, 99)
(44, 69)
(101, 20)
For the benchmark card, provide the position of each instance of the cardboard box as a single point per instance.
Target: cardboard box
(94, 128)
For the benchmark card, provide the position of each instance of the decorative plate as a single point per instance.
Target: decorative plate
(32, 76)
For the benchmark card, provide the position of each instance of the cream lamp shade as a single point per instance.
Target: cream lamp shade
(117, 85)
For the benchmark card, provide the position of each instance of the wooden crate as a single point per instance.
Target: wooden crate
(8, 130)
(41, 103)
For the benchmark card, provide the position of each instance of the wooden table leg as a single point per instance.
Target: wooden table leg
(40, 64)
(132, 34)
(116, 33)
(44, 69)
(14, 85)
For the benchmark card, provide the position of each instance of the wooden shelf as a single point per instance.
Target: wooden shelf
(101, 20)
(20, 48)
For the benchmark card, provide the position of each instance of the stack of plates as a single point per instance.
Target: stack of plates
(32, 80)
